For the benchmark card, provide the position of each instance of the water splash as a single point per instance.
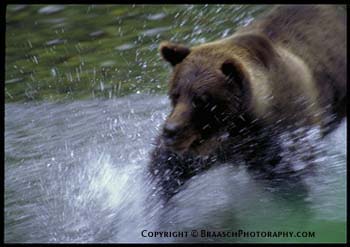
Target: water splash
(75, 172)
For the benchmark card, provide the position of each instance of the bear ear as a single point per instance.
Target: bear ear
(173, 53)
(233, 70)
(259, 46)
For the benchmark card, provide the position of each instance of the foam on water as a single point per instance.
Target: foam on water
(75, 172)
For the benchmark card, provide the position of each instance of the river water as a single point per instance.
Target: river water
(85, 98)
(75, 172)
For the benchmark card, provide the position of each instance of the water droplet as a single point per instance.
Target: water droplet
(97, 33)
(53, 72)
(158, 16)
(55, 42)
(35, 60)
(125, 47)
(51, 9)
(154, 31)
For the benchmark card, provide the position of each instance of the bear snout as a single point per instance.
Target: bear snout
(171, 130)
(177, 136)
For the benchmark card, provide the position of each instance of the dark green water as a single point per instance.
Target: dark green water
(87, 51)
(75, 150)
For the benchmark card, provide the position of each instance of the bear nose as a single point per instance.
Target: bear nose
(171, 129)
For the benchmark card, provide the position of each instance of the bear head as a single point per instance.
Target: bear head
(209, 91)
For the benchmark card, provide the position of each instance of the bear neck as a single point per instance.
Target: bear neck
(288, 77)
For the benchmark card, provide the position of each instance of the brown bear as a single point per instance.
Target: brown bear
(230, 97)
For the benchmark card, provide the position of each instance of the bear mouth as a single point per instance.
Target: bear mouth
(204, 147)
(179, 144)
(196, 144)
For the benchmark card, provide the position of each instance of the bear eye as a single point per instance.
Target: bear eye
(200, 101)
(174, 97)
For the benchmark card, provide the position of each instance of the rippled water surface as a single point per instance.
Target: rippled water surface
(83, 51)
(84, 95)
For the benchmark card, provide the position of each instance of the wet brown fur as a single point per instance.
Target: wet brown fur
(317, 34)
(291, 53)
(287, 68)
